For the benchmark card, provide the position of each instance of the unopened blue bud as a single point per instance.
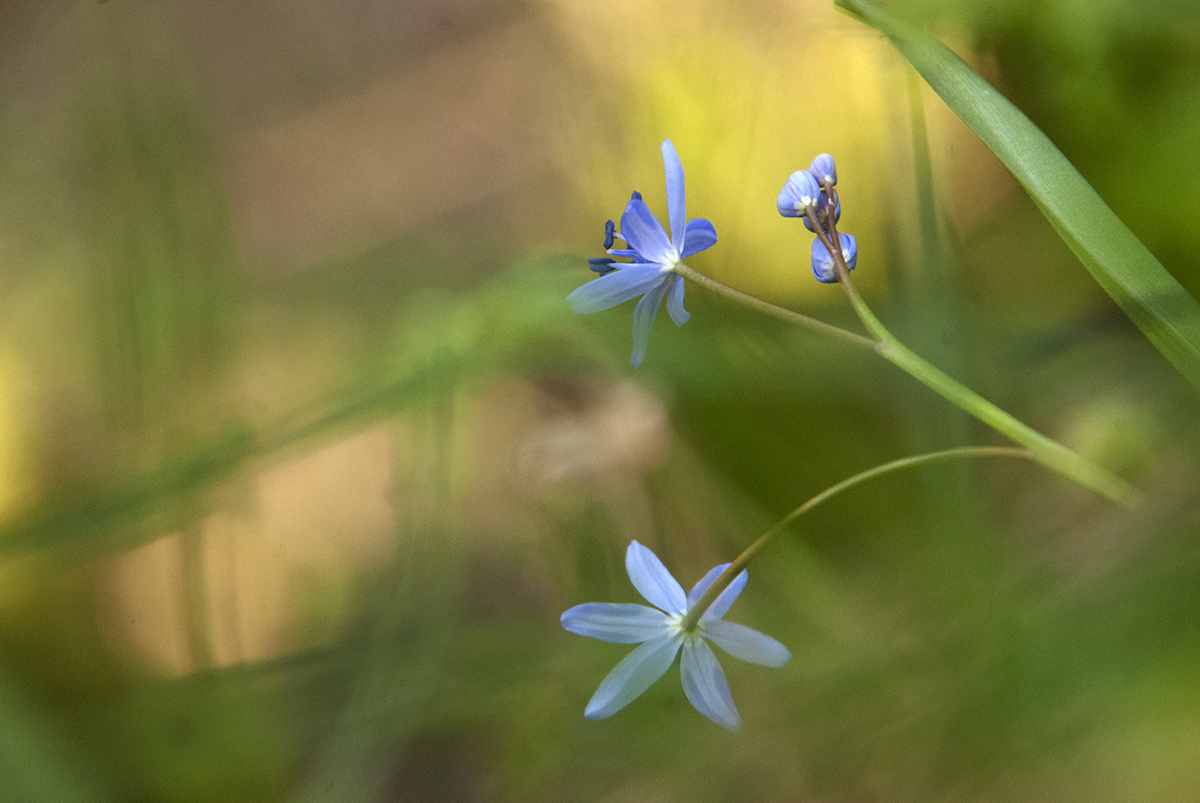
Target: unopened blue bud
(823, 213)
(822, 260)
(800, 192)
(823, 169)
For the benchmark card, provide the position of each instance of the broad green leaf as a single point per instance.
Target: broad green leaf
(1125, 268)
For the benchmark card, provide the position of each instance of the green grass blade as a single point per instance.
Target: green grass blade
(1125, 268)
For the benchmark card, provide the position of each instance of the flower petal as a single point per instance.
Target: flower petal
(626, 282)
(726, 598)
(849, 249)
(822, 263)
(823, 169)
(645, 234)
(653, 581)
(799, 191)
(822, 260)
(707, 580)
(675, 302)
(699, 234)
(746, 643)
(643, 320)
(676, 200)
(616, 623)
(634, 675)
(705, 685)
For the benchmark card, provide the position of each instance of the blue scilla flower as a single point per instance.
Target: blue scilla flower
(654, 254)
(660, 632)
(822, 260)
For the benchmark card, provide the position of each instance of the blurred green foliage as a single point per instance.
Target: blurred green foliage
(969, 632)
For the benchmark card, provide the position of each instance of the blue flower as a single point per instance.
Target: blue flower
(822, 260)
(654, 254)
(659, 631)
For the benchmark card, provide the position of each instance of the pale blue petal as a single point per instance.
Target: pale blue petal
(707, 580)
(849, 249)
(746, 643)
(643, 321)
(705, 685)
(611, 289)
(799, 192)
(633, 676)
(653, 581)
(823, 169)
(700, 234)
(675, 302)
(726, 598)
(645, 234)
(822, 260)
(676, 200)
(616, 623)
(822, 263)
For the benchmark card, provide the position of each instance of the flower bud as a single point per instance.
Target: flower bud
(823, 213)
(800, 192)
(823, 170)
(822, 260)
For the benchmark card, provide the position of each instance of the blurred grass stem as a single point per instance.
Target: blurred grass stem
(195, 589)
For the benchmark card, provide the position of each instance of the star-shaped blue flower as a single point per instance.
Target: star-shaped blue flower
(661, 634)
(651, 274)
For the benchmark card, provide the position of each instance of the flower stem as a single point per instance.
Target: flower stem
(1048, 452)
(747, 300)
(735, 568)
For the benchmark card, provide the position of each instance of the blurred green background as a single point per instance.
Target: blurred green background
(302, 453)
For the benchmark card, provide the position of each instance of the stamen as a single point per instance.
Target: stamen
(601, 265)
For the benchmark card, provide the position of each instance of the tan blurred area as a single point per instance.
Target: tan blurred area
(310, 523)
(273, 571)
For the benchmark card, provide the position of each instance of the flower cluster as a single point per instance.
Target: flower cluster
(809, 195)
(660, 631)
(653, 254)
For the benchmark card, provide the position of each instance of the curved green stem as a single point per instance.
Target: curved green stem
(735, 568)
(1048, 452)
